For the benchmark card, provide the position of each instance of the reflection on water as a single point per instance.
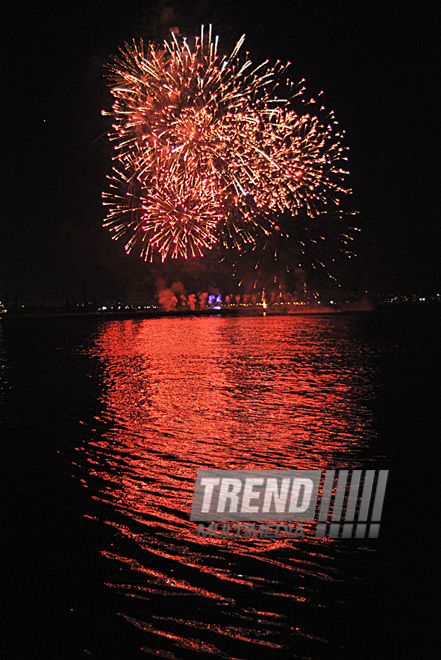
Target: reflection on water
(253, 393)
(103, 426)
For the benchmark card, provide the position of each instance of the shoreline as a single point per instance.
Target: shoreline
(236, 311)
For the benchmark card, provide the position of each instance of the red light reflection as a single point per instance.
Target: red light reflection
(254, 393)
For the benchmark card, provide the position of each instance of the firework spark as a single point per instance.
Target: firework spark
(206, 153)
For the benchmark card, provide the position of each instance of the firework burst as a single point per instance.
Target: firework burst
(205, 152)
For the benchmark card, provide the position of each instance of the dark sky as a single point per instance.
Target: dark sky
(374, 61)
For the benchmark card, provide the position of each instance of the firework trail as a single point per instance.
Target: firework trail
(296, 256)
(205, 153)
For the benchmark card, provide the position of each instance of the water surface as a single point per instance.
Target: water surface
(105, 424)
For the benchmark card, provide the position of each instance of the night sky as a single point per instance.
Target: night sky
(374, 61)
